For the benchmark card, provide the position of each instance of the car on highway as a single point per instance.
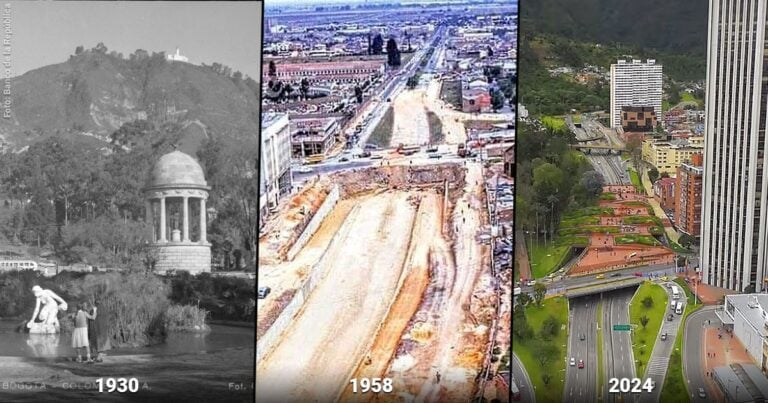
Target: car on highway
(638, 274)
(664, 336)
(702, 393)
(582, 337)
(600, 276)
(376, 157)
(343, 159)
(263, 292)
(670, 317)
(303, 170)
(435, 156)
(615, 274)
(665, 278)
(573, 362)
(581, 364)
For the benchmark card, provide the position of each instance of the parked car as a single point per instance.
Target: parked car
(263, 292)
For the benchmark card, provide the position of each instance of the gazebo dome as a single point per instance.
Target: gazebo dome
(176, 169)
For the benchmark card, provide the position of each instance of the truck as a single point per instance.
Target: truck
(407, 150)
(315, 159)
(679, 308)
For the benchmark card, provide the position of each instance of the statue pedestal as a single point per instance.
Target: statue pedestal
(42, 328)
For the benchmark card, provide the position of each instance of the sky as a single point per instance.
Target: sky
(47, 32)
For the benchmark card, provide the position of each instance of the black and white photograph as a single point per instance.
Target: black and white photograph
(129, 143)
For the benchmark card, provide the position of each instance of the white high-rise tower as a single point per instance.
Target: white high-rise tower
(635, 84)
(734, 215)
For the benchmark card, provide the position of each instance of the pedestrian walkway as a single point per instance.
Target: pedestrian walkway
(658, 366)
(710, 295)
(523, 264)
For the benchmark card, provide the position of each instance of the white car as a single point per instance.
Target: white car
(303, 170)
(573, 362)
(531, 283)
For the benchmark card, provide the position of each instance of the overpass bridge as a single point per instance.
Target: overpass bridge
(601, 287)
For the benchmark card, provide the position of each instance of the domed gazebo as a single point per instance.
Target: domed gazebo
(175, 195)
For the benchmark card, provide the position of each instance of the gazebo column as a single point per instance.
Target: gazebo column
(162, 220)
(186, 220)
(203, 229)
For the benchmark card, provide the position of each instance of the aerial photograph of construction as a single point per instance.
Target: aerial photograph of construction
(386, 201)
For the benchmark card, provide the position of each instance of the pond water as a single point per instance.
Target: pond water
(220, 337)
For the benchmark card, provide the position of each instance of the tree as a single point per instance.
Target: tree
(648, 302)
(524, 299)
(539, 291)
(545, 353)
(686, 240)
(377, 46)
(272, 68)
(359, 94)
(550, 328)
(79, 50)
(497, 100)
(644, 321)
(635, 149)
(393, 53)
(593, 183)
(653, 174)
(520, 326)
(304, 87)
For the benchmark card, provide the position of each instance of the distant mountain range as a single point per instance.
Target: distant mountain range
(657, 24)
(94, 93)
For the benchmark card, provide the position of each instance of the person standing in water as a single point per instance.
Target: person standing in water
(80, 334)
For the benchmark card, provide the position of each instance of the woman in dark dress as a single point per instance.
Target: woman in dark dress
(93, 335)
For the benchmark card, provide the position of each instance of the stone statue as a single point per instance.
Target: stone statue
(49, 312)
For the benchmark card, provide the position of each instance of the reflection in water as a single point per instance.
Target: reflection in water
(43, 345)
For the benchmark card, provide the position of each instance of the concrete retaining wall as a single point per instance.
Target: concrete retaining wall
(192, 258)
(328, 204)
(267, 342)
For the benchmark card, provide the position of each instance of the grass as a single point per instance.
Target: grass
(525, 349)
(635, 179)
(677, 248)
(643, 339)
(450, 92)
(554, 123)
(642, 220)
(665, 105)
(690, 298)
(436, 134)
(640, 239)
(599, 350)
(546, 259)
(382, 134)
(674, 388)
(607, 196)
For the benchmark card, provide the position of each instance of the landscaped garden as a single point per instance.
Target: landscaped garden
(646, 314)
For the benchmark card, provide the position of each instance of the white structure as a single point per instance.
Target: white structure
(746, 315)
(275, 164)
(635, 84)
(175, 194)
(177, 57)
(734, 220)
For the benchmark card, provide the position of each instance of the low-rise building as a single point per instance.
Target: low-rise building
(664, 192)
(338, 71)
(746, 316)
(475, 100)
(311, 136)
(688, 196)
(666, 156)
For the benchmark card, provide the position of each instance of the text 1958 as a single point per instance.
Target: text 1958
(375, 385)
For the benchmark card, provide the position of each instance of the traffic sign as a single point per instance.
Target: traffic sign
(622, 328)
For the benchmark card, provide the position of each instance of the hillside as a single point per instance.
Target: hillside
(96, 93)
(679, 26)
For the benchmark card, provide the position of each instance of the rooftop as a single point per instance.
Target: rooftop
(176, 169)
(753, 308)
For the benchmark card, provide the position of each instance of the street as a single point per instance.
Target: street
(581, 383)
(520, 376)
(617, 349)
(692, 351)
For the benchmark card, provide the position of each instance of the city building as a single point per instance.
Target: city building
(688, 196)
(635, 84)
(666, 156)
(310, 136)
(340, 71)
(734, 222)
(638, 118)
(475, 100)
(746, 316)
(275, 163)
(664, 191)
(176, 194)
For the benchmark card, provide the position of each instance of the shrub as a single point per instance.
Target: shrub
(185, 318)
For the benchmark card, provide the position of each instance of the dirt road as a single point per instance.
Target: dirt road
(332, 333)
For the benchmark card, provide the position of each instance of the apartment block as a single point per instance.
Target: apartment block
(635, 84)
(688, 195)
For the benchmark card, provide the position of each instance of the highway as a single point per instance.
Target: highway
(520, 376)
(618, 361)
(581, 383)
(692, 349)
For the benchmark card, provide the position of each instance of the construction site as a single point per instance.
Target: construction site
(377, 272)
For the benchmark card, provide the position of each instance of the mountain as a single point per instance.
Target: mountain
(94, 93)
(656, 24)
